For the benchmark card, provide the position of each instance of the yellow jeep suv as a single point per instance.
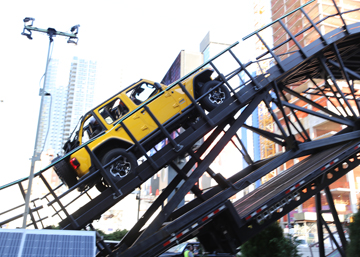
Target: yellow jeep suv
(101, 131)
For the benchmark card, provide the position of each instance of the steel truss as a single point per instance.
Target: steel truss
(329, 67)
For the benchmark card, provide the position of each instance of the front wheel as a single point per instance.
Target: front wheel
(125, 164)
(215, 97)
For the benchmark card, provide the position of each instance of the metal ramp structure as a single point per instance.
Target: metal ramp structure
(315, 83)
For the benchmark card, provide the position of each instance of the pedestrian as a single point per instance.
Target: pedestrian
(188, 251)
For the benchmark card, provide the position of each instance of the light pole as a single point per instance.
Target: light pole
(51, 32)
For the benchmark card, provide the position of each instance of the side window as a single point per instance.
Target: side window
(113, 111)
(142, 92)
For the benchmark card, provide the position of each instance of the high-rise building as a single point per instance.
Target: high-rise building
(316, 11)
(66, 99)
(262, 17)
(184, 63)
(212, 44)
(80, 93)
(52, 120)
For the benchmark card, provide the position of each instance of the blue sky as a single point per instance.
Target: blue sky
(140, 38)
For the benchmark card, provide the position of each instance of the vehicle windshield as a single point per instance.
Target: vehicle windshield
(177, 248)
(77, 128)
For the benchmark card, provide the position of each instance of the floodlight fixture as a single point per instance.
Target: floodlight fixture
(75, 29)
(29, 19)
(51, 32)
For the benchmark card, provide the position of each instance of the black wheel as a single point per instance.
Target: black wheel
(190, 122)
(65, 172)
(215, 97)
(101, 185)
(120, 168)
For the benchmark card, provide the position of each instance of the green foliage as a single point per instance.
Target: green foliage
(52, 227)
(115, 236)
(353, 248)
(100, 232)
(270, 243)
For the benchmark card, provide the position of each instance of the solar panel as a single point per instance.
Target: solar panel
(10, 243)
(49, 243)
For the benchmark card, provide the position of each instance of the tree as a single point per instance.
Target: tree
(270, 243)
(115, 236)
(353, 248)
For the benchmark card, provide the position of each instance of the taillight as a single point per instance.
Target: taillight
(74, 163)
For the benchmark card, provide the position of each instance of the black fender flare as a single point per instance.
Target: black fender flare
(200, 79)
(109, 144)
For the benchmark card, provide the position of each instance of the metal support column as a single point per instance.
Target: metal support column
(319, 225)
(337, 222)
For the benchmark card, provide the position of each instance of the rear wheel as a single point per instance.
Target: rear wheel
(125, 164)
(215, 97)
(65, 172)
(190, 122)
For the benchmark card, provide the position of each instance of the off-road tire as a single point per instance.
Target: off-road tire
(215, 97)
(126, 164)
(65, 172)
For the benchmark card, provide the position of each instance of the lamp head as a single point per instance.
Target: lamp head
(27, 20)
(75, 29)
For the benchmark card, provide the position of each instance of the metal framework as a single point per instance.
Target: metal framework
(329, 65)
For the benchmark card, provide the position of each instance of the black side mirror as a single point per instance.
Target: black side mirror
(157, 85)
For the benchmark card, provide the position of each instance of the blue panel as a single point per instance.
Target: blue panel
(10, 244)
(255, 122)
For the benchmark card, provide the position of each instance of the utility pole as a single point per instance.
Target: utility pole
(51, 32)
